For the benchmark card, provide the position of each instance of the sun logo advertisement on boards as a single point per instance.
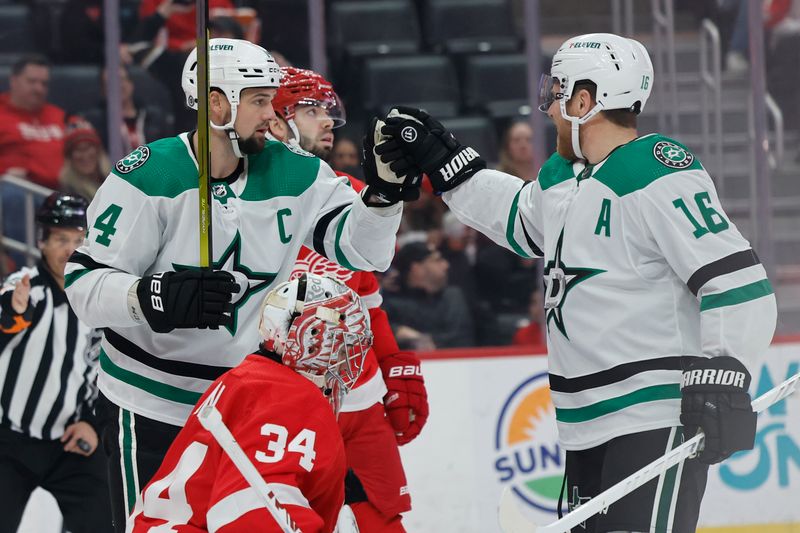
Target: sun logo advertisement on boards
(528, 457)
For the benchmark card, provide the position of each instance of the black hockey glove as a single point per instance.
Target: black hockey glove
(384, 187)
(187, 299)
(714, 398)
(420, 143)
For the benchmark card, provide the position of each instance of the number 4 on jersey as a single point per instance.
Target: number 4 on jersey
(105, 224)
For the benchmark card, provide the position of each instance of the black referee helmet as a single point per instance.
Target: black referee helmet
(61, 211)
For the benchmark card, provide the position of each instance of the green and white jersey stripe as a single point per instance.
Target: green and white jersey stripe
(644, 270)
(144, 219)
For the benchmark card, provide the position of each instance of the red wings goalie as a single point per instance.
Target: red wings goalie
(277, 404)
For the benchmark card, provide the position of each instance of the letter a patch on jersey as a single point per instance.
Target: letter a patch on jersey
(604, 219)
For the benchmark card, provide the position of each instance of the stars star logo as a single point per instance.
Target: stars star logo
(231, 261)
(559, 280)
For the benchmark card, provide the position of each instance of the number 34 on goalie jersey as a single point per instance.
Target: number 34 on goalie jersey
(166, 498)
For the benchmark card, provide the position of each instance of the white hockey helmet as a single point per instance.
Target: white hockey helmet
(234, 65)
(321, 329)
(619, 67)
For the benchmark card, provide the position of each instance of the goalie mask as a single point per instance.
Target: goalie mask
(619, 67)
(234, 65)
(320, 328)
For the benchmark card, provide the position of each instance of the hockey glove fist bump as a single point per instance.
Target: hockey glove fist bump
(187, 299)
(419, 143)
(384, 187)
(714, 398)
(406, 401)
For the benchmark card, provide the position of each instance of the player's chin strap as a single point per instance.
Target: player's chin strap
(230, 131)
(576, 122)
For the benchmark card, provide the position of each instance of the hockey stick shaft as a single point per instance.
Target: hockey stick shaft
(203, 153)
(511, 519)
(211, 419)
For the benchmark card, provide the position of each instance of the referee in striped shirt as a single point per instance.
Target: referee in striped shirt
(48, 365)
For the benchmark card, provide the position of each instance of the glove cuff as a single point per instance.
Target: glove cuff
(716, 374)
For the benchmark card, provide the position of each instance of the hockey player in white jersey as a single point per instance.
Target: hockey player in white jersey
(172, 328)
(656, 305)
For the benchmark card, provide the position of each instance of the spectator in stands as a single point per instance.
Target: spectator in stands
(169, 28)
(31, 130)
(225, 27)
(516, 151)
(86, 164)
(345, 156)
(531, 333)
(506, 279)
(82, 31)
(426, 313)
(141, 122)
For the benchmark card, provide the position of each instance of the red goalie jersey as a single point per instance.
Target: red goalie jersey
(286, 428)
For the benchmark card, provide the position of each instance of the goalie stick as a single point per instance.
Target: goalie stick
(211, 419)
(513, 521)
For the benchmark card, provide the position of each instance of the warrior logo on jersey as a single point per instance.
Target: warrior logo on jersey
(559, 280)
(672, 155)
(313, 263)
(529, 458)
(133, 160)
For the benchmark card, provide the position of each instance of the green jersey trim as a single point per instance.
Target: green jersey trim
(635, 165)
(739, 295)
(512, 218)
(150, 386)
(340, 257)
(74, 276)
(168, 171)
(127, 451)
(277, 171)
(654, 393)
(668, 488)
(554, 171)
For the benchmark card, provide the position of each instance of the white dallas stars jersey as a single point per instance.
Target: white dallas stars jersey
(144, 219)
(643, 270)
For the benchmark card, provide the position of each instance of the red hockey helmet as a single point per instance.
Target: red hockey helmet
(321, 329)
(306, 87)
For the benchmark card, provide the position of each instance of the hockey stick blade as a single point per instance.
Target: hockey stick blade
(513, 521)
(211, 419)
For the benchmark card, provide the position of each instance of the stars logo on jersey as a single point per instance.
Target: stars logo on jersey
(559, 280)
(231, 261)
(133, 160)
(672, 155)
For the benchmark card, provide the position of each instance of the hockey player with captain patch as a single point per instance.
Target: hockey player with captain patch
(172, 328)
(657, 308)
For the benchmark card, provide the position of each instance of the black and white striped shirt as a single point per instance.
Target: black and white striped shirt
(48, 369)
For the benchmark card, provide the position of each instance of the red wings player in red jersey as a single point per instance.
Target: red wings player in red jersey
(386, 408)
(316, 334)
